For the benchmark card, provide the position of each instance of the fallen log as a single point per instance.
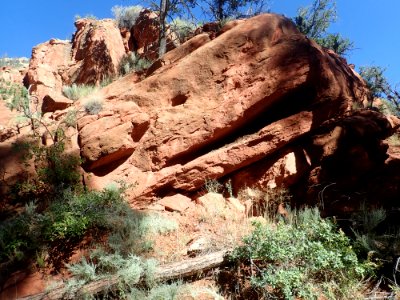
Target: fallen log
(177, 270)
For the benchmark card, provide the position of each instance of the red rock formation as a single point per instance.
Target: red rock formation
(260, 104)
(97, 51)
(48, 63)
(93, 55)
(145, 34)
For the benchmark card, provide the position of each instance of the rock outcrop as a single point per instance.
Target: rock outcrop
(93, 56)
(96, 51)
(260, 79)
(257, 103)
(48, 63)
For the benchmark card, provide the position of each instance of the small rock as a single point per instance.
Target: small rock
(176, 202)
(235, 203)
(214, 203)
(196, 246)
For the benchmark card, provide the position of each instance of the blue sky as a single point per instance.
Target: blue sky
(372, 26)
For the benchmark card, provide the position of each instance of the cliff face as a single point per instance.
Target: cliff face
(257, 103)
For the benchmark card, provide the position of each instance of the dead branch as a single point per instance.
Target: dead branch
(178, 270)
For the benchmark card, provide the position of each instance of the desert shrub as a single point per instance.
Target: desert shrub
(306, 258)
(182, 28)
(53, 166)
(213, 186)
(376, 238)
(18, 235)
(87, 16)
(93, 106)
(314, 22)
(126, 16)
(76, 91)
(133, 63)
(9, 90)
(14, 62)
(70, 118)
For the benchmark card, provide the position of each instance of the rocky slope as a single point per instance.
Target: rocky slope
(257, 103)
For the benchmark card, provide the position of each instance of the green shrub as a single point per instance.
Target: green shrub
(126, 16)
(305, 258)
(182, 28)
(18, 235)
(75, 91)
(70, 118)
(9, 90)
(93, 106)
(132, 63)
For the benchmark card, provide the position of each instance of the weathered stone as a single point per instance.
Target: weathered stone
(176, 202)
(97, 51)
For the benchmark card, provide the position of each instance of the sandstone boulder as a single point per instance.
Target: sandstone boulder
(93, 56)
(97, 51)
(210, 93)
(106, 140)
(48, 63)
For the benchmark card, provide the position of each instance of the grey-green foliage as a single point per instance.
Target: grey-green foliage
(133, 63)
(77, 91)
(314, 21)
(375, 237)
(336, 43)
(93, 106)
(182, 28)
(307, 258)
(161, 292)
(223, 9)
(379, 86)
(87, 16)
(19, 62)
(71, 118)
(9, 91)
(126, 16)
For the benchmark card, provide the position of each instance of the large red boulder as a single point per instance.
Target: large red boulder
(97, 51)
(259, 75)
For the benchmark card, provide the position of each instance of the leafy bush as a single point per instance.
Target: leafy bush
(53, 166)
(93, 106)
(126, 16)
(182, 28)
(75, 91)
(18, 235)
(133, 63)
(314, 22)
(306, 258)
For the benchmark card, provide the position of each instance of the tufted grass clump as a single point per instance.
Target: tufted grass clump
(93, 106)
(78, 91)
(303, 257)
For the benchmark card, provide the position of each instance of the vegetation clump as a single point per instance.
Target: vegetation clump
(125, 16)
(75, 91)
(302, 256)
(93, 106)
(133, 63)
(314, 22)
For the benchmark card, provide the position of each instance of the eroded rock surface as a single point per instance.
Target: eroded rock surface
(257, 103)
